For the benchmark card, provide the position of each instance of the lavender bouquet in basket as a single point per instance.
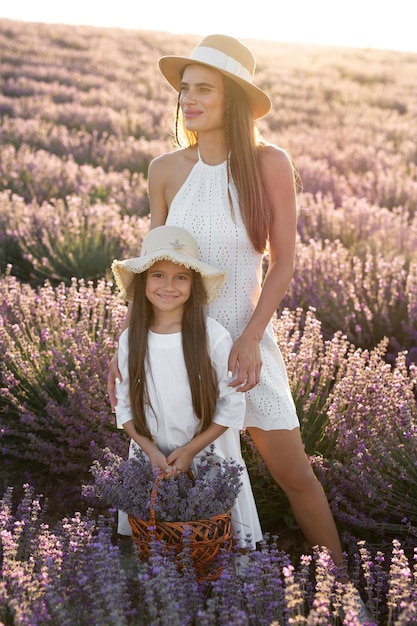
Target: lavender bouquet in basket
(127, 485)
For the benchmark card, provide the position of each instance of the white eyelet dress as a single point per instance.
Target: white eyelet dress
(201, 206)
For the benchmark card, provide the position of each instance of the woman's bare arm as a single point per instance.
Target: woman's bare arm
(278, 178)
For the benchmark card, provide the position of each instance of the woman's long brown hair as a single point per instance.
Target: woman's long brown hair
(201, 374)
(244, 147)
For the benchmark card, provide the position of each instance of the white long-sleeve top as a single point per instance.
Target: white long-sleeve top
(173, 423)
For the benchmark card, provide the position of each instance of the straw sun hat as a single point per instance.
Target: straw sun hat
(227, 55)
(166, 243)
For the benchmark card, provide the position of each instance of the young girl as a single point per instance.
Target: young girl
(174, 399)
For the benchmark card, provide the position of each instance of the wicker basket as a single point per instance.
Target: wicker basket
(206, 538)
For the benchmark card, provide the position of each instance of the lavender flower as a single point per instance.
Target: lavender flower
(128, 484)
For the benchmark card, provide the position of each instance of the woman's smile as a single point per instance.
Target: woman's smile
(202, 98)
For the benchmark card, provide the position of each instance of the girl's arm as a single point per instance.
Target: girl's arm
(114, 372)
(156, 458)
(278, 179)
(124, 417)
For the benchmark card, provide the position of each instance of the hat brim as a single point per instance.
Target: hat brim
(125, 270)
(172, 68)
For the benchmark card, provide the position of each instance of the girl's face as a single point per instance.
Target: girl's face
(168, 286)
(202, 98)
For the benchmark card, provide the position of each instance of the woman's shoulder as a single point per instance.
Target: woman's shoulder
(166, 174)
(176, 158)
(271, 153)
(276, 163)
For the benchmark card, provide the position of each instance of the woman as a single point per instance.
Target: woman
(236, 194)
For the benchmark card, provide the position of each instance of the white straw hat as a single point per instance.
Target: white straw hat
(166, 243)
(227, 55)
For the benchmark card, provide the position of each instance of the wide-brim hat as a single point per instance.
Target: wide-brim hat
(227, 55)
(166, 243)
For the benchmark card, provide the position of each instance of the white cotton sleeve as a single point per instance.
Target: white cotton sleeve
(123, 412)
(231, 404)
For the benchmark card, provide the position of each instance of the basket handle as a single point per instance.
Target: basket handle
(154, 494)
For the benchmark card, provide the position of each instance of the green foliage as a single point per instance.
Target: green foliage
(66, 239)
(55, 346)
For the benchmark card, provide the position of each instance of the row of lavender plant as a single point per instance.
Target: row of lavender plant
(72, 573)
(359, 423)
(388, 184)
(55, 346)
(369, 295)
(65, 239)
(368, 298)
(40, 162)
(69, 132)
(345, 117)
(42, 176)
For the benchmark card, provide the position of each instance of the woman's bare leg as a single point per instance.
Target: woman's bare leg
(284, 455)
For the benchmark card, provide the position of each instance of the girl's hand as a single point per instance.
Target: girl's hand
(159, 461)
(180, 460)
(111, 380)
(245, 363)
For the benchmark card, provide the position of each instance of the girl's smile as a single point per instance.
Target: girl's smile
(168, 287)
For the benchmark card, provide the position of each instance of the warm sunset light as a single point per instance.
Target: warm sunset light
(359, 23)
(319, 456)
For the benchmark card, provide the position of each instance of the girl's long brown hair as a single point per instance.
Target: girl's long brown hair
(244, 147)
(201, 374)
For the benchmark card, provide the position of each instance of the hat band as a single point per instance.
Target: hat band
(221, 61)
(175, 246)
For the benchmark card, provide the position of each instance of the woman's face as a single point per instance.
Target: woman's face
(202, 98)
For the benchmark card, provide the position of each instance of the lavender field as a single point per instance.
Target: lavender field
(83, 111)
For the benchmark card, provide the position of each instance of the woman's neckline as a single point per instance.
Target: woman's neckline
(201, 160)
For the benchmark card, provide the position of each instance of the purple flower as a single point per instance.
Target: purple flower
(128, 484)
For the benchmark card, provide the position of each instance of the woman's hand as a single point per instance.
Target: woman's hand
(245, 363)
(113, 374)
